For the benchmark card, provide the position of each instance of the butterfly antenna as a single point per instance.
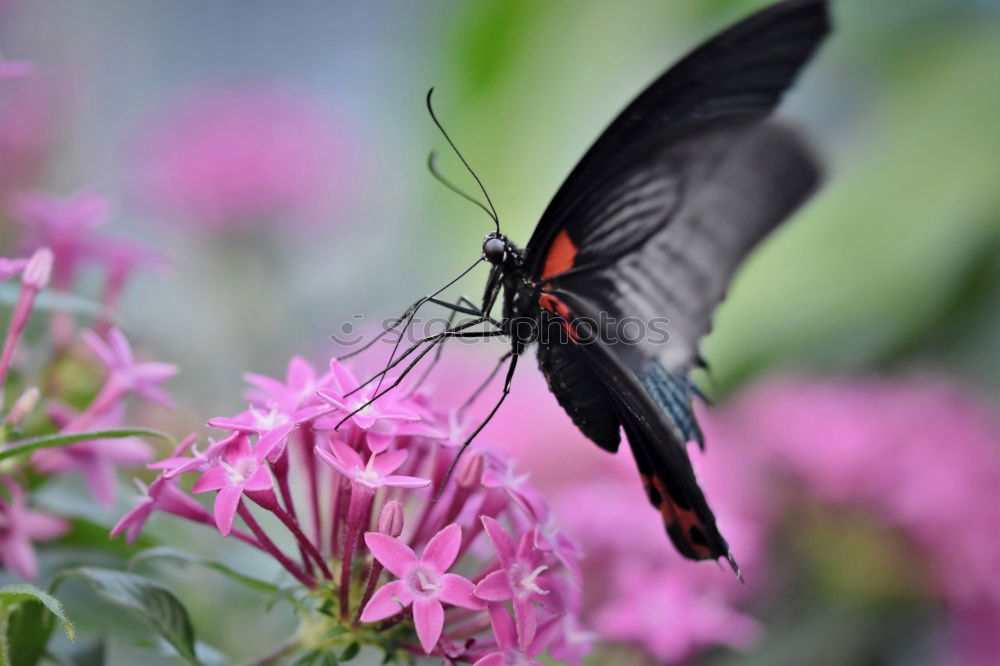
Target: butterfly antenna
(432, 167)
(492, 210)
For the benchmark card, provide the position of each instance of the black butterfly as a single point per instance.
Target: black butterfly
(652, 223)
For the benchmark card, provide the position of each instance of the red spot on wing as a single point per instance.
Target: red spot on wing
(561, 255)
(554, 305)
(685, 519)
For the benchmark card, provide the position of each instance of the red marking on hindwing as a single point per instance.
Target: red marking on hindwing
(554, 305)
(684, 518)
(561, 255)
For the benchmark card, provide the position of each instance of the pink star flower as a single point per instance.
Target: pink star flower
(126, 374)
(240, 469)
(520, 578)
(381, 420)
(374, 474)
(162, 495)
(298, 390)
(508, 652)
(19, 526)
(423, 583)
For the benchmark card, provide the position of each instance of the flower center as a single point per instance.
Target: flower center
(514, 657)
(525, 581)
(240, 471)
(424, 581)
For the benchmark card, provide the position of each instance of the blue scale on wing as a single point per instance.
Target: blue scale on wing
(673, 392)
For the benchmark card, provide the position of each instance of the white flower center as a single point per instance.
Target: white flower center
(424, 581)
(241, 472)
(525, 581)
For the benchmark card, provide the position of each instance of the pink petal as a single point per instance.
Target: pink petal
(332, 461)
(388, 462)
(501, 541)
(349, 458)
(457, 591)
(332, 397)
(99, 348)
(492, 659)
(272, 440)
(526, 619)
(300, 373)
(406, 482)
(120, 347)
(225, 508)
(441, 551)
(503, 626)
(152, 371)
(272, 387)
(101, 480)
(342, 379)
(546, 632)
(261, 480)
(133, 521)
(155, 394)
(428, 615)
(495, 587)
(394, 555)
(213, 479)
(390, 599)
(19, 557)
(43, 527)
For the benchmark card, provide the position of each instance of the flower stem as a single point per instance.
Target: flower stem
(308, 443)
(304, 542)
(271, 548)
(373, 573)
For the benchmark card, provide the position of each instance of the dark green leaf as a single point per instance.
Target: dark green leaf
(153, 602)
(52, 441)
(317, 658)
(351, 651)
(18, 593)
(184, 557)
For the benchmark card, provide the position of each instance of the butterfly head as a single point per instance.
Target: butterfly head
(495, 248)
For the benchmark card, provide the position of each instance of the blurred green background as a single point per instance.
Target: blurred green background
(893, 268)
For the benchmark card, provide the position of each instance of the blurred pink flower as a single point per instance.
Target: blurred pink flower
(29, 121)
(19, 526)
(509, 652)
(241, 157)
(125, 374)
(14, 69)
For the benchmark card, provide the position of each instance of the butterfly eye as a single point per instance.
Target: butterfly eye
(494, 250)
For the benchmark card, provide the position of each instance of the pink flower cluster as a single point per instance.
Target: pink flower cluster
(456, 567)
(241, 157)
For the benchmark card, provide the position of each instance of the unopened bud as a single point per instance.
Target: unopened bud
(38, 270)
(390, 521)
(23, 406)
(470, 470)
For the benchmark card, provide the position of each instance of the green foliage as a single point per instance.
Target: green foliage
(26, 446)
(154, 603)
(27, 618)
(183, 557)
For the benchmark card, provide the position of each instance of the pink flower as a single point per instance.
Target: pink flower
(11, 267)
(508, 652)
(34, 279)
(240, 469)
(13, 69)
(376, 473)
(298, 390)
(161, 495)
(520, 579)
(19, 526)
(125, 373)
(423, 582)
(381, 420)
(242, 157)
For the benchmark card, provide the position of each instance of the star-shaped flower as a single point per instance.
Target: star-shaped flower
(374, 474)
(142, 378)
(298, 390)
(161, 495)
(19, 526)
(508, 652)
(520, 578)
(423, 582)
(241, 468)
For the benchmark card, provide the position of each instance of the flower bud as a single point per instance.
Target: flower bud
(390, 521)
(38, 269)
(23, 406)
(470, 470)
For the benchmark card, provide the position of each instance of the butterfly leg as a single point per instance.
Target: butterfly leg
(463, 301)
(503, 396)
(435, 340)
(482, 387)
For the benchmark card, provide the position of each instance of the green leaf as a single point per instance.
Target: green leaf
(152, 601)
(351, 651)
(27, 618)
(85, 534)
(184, 557)
(317, 658)
(56, 301)
(53, 441)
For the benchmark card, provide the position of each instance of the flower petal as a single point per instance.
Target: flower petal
(457, 591)
(428, 615)
(390, 599)
(213, 479)
(388, 462)
(502, 542)
(526, 619)
(492, 659)
(406, 482)
(348, 457)
(225, 508)
(441, 551)
(394, 555)
(503, 626)
(495, 587)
